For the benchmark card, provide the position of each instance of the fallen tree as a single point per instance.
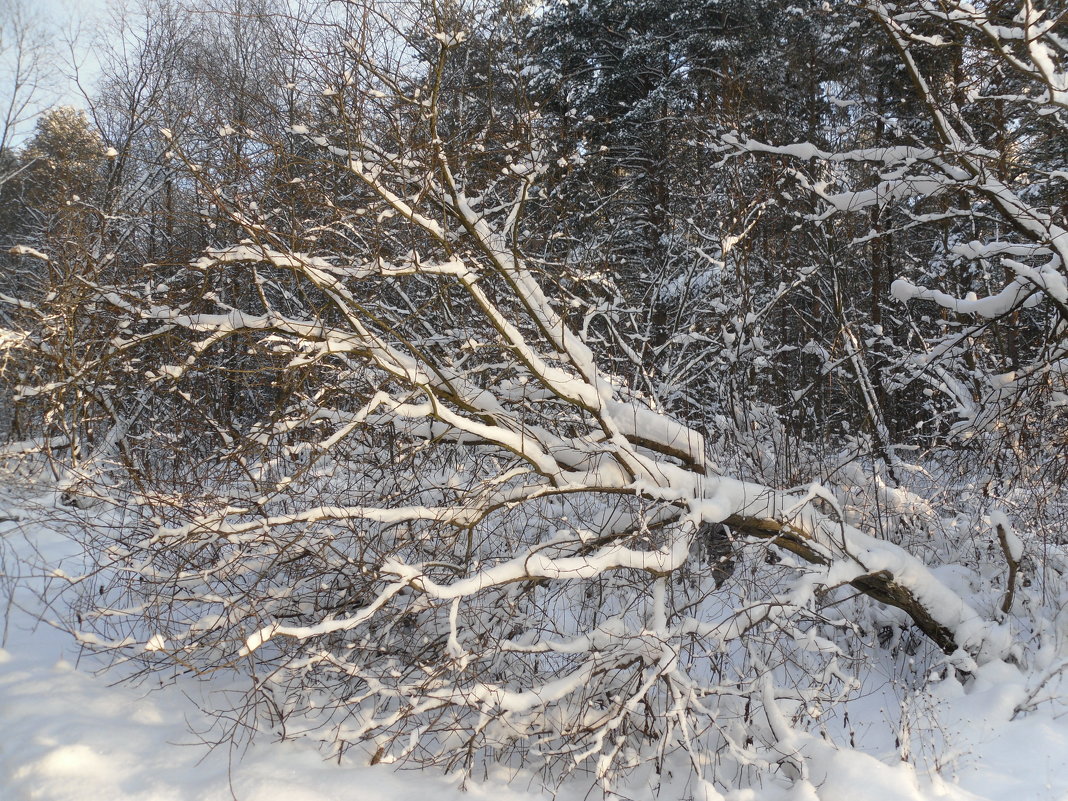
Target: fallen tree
(447, 530)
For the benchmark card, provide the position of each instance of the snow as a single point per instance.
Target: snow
(71, 733)
(999, 520)
(450, 39)
(71, 737)
(25, 250)
(1016, 293)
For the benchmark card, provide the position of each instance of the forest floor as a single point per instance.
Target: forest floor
(70, 733)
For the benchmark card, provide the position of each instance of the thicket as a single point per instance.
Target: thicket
(597, 381)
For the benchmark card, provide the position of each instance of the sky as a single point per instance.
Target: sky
(70, 26)
(77, 21)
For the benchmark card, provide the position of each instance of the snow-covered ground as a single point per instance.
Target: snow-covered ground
(70, 733)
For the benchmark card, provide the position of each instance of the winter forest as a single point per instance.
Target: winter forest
(613, 394)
